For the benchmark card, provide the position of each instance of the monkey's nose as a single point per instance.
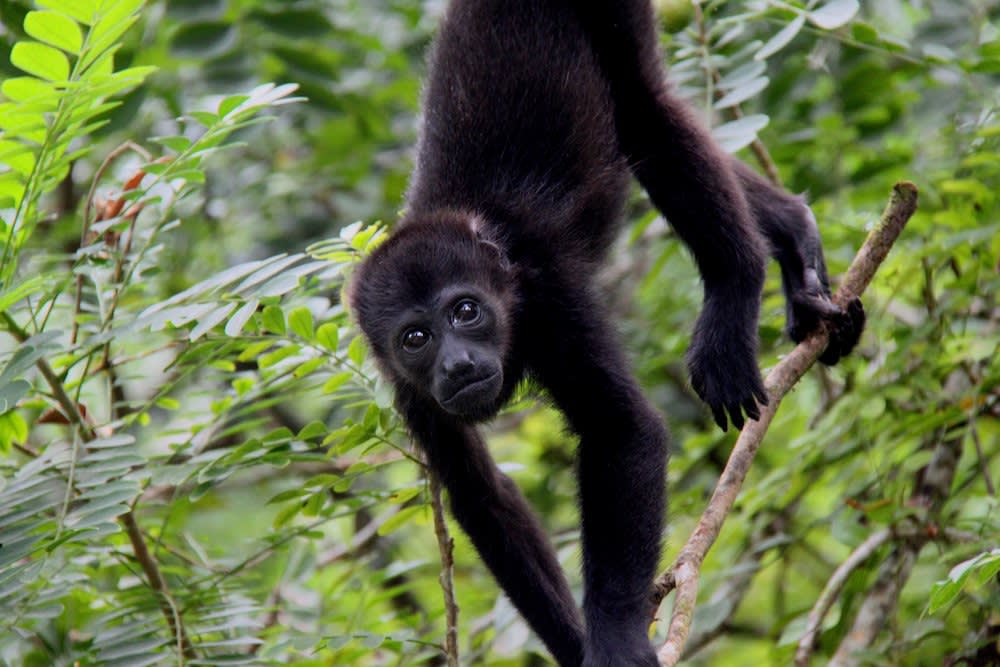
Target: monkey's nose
(459, 366)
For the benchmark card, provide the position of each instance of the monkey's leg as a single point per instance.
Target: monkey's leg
(790, 228)
(505, 532)
(622, 473)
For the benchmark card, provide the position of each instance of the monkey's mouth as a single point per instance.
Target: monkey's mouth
(475, 396)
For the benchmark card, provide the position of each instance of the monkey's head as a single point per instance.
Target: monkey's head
(435, 302)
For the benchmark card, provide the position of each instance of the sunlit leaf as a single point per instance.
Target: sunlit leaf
(300, 321)
(81, 10)
(40, 60)
(55, 29)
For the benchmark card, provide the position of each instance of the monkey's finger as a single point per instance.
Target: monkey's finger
(831, 355)
(822, 305)
(856, 317)
(720, 417)
(760, 394)
(736, 414)
(750, 406)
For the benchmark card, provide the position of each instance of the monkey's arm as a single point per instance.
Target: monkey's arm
(622, 469)
(506, 533)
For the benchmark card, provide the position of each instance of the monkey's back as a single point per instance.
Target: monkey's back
(518, 124)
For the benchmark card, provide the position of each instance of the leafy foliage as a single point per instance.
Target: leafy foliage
(199, 465)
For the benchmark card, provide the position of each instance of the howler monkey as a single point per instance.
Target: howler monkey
(536, 112)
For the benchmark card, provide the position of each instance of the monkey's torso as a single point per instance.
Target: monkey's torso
(530, 145)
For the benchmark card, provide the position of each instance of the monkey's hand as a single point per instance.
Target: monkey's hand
(811, 305)
(722, 363)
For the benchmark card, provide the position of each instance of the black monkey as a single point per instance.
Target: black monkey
(535, 113)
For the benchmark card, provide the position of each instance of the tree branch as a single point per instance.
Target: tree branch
(684, 572)
(447, 547)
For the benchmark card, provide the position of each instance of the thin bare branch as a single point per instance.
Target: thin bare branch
(878, 606)
(447, 547)
(154, 576)
(684, 573)
(984, 468)
(932, 486)
(863, 552)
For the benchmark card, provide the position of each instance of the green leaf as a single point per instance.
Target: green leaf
(285, 496)
(328, 336)
(13, 429)
(985, 566)
(336, 382)
(19, 157)
(300, 321)
(313, 429)
(206, 118)
(279, 355)
(236, 323)
(399, 519)
(176, 144)
(402, 496)
(942, 593)
(13, 392)
(356, 350)
(834, 14)
(28, 88)
(308, 367)
(30, 286)
(864, 33)
(742, 93)
(112, 22)
(207, 322)
(55, 29)
(40, 60)
(81, 10)
(315, 503)
(273, 319)
(254, 350)
(739, 133)
(781, 39)
(230, 103)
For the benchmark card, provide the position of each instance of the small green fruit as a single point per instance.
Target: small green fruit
(675, 15)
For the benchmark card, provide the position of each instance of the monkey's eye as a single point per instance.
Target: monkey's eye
(415, 339)
(466, 312)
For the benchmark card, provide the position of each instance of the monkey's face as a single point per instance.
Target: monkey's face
(436, 302)
(453, 348)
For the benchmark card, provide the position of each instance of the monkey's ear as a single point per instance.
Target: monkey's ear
(478, 225)
(483, 234)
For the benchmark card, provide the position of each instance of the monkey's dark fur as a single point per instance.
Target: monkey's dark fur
(536, 114)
